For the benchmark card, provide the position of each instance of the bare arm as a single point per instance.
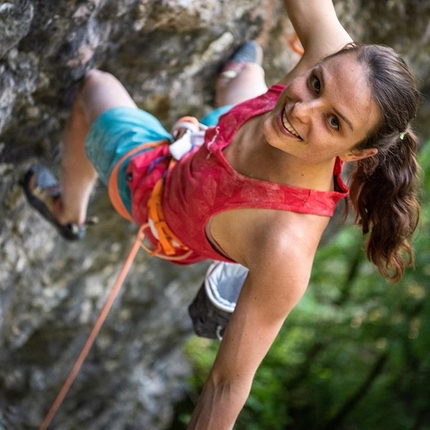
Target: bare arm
(279, 274)
(319, 31)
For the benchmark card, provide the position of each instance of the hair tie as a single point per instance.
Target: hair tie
(402, 135)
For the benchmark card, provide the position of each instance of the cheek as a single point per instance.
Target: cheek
(280, 103)
(323, 148)
(270, 130)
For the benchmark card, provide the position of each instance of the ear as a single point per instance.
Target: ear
(358, 155)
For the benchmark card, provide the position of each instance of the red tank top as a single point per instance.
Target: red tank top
(203, 184)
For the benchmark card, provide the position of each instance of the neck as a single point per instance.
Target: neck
(300, 173)
(290, 170)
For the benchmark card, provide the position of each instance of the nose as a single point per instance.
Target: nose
(304, 110)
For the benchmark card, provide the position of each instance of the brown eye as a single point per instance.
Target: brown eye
(315, 84)
(334, 122)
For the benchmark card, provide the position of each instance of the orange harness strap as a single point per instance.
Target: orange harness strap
(168, 242)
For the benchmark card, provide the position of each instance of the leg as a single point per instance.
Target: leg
(242, 77)
(100, 91)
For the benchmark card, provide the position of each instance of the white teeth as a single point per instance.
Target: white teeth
(288, 126)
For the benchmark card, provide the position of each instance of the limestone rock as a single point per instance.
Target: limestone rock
(167, 53)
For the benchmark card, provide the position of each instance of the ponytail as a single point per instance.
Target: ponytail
(383, 193)
(383, 187)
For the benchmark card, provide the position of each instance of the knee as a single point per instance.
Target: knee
(93, 74)
(101, 91)
(94, 85)
(93, 78)
(97, 74)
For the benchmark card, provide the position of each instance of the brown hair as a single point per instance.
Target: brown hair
(383, 188)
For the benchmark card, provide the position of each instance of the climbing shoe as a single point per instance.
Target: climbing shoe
(43, 191)
(249, 52)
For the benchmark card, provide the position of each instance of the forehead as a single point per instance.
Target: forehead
(347, 86)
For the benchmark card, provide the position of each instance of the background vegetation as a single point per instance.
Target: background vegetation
(355, 353)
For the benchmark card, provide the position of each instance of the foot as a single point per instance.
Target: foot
(242, 77)
(44, 194)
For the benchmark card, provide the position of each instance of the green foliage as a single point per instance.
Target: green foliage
(355, 353)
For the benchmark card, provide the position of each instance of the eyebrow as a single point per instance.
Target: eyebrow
(344, 118)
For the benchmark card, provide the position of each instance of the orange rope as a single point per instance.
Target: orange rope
(97, 326)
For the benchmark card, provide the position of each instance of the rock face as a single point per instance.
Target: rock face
(167, 53)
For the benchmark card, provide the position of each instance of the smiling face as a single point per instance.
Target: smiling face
(324, 113)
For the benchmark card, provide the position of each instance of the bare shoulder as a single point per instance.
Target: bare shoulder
(287, 235)
(249, 235)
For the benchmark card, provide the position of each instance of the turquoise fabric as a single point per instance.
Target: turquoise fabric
(119, 130)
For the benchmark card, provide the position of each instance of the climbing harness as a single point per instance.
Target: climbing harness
(187, 134)
(168, 245)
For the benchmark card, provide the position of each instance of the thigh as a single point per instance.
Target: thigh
(118, 131)
(102, 91)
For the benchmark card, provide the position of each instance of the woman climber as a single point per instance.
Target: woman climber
(262, 187)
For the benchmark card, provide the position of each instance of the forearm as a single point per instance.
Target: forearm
(316, 23)
(218, 406)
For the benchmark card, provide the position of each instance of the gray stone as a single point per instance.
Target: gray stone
(167, 54)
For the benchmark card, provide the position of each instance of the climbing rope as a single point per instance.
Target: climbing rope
(94, 332)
